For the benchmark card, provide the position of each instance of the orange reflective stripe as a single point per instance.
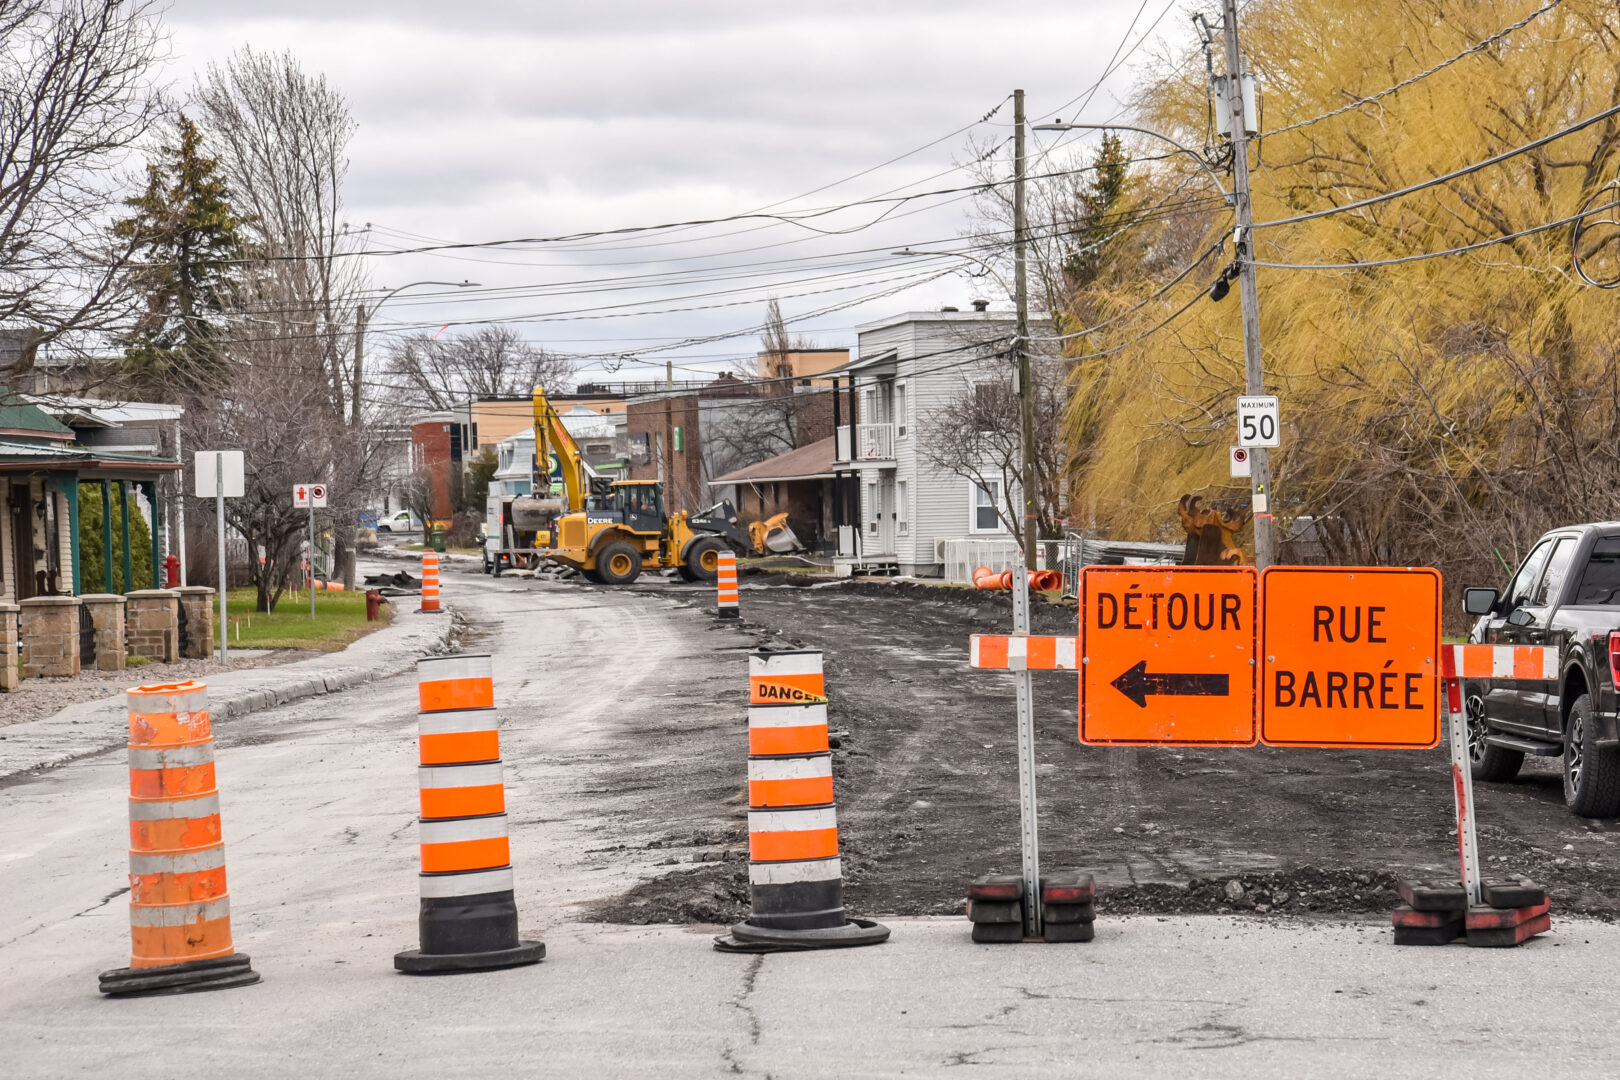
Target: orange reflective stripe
(782, 846)
(811, 739)
(161, 783)
(442, 694)
(992, 651)
(1477, 662)
(464, 801)
(466, 855)
(174, 834)
(812, 791)
(786, 689)
(1527, 663)
(155, 946)
(169, 729)
(189, 888)
(459, 747)
(1042, 654)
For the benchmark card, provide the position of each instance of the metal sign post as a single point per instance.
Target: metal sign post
(311, 496)
(1027, 817)
(1462, 779)
(220, 473)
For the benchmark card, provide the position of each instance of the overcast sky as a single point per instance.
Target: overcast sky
(495, 119)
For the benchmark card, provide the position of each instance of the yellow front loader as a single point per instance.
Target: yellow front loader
(620, 533)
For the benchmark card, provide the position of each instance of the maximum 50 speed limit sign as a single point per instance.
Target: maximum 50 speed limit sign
(1257, 421)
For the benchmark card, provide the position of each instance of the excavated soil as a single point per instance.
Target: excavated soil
(926, 779)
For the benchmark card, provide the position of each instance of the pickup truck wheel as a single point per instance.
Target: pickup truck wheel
(618, 563)
(1591, 773)
(1486, 762)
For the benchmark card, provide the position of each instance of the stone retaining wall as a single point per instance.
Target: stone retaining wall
(49, 633)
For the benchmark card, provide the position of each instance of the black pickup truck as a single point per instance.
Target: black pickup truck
(1566, 594)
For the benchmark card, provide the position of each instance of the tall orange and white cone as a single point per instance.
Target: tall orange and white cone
(468, 916)
(430, 581)
(179, 910)
(725, 586)
(795, 878)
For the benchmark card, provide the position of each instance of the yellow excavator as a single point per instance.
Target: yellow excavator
(519, 526)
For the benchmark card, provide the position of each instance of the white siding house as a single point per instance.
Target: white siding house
(896, 509)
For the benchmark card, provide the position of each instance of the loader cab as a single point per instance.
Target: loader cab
(638, 504)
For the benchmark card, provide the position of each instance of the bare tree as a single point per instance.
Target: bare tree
(76, 92)
(744, 431)
(282, 137)
(777, 348)
(977, 437)
(492, 361)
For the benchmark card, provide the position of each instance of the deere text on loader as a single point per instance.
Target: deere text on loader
(627, 529)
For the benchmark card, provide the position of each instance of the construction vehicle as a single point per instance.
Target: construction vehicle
(519, 526)
(773, 536)
(626, 530)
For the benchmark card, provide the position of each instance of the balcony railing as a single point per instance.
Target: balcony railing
(873, 442)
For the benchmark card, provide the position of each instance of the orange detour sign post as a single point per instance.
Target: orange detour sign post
(1168, 656)
(795, 878)
(1351, 657)
(179, 911)
(468, 916)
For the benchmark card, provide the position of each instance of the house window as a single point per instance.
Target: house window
(902, 517)
(982, 501)
(874, 508)
(902, 408)
(869, 406)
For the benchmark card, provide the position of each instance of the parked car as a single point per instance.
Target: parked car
(1566, 594)
(404, 521)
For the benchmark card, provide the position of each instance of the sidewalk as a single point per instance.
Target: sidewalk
(93, 726)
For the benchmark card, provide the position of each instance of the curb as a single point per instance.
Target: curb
(54, 740)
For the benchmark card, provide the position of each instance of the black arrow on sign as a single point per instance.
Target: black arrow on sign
(1137, 684)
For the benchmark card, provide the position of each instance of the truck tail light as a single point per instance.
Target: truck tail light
(1614, 657)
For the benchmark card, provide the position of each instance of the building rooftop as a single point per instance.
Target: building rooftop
(813, 462)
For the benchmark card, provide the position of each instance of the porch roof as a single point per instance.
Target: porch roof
(813, 462)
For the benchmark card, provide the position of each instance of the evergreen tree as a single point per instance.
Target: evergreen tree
(1098, 202)
(187, 236)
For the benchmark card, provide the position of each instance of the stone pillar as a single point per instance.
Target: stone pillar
(152, 624)
(50, 637)
(107, 613)
(9, 675)
(197, 601)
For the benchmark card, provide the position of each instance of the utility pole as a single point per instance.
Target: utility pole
(1026, 396)
(359, 366)
(1265, 551)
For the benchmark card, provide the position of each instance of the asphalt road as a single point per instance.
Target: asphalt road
(598, 690)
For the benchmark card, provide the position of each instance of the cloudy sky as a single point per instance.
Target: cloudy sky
(500, 119)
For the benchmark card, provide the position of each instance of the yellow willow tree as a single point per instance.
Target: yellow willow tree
(1432, 411)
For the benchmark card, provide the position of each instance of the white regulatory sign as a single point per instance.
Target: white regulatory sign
(1240, 462)
(317, 495)
(1257, 421)
(217, 469)
(308, 495)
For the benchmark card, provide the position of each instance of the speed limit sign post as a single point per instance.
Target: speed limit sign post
(1259, 429)
(1257, 421)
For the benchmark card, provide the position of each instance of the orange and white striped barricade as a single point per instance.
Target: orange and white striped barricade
(468, 916)
(1489, 913)
(430, 581)
(795, 879)
(725, 586)
(179, 910)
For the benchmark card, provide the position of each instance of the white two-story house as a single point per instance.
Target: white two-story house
(894, 509)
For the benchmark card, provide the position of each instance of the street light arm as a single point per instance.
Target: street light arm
(1151, 134)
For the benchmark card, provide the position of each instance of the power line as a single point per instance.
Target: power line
(1466, 170)
(1371, 98)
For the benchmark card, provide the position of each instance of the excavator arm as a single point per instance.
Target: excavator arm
(551, 437)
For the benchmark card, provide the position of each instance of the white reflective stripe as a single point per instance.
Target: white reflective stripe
(191, 701)
(786, 663)
(462, 666)
(1502, 663)
(457, 830)
(1068, 649)
(457, 722)
(1017, 653)
(438, 886)
(821, 817)
(166, 810)
(802, 768)
(763, 716)
(457, 776)
(795, 873)
(973, 651)
(180, 914)
(1549, 664)
(189, 862)
(171, 757)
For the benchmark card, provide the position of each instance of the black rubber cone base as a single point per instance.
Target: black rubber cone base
(746, 937)
(417, 962)
(219, 973)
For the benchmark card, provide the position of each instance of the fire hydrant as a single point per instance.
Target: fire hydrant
(374, 603)
(171, 571)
